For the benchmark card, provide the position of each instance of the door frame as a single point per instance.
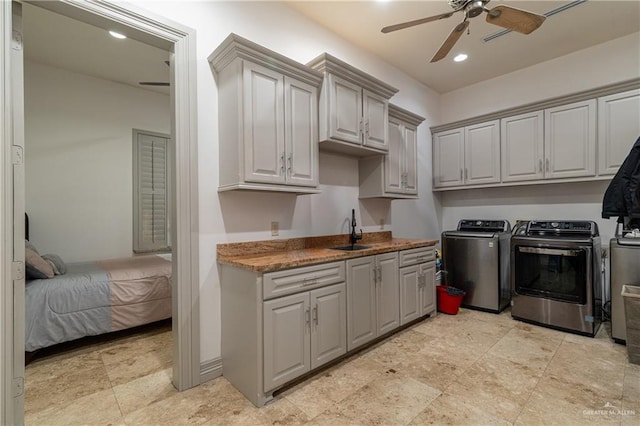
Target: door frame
(181, 41)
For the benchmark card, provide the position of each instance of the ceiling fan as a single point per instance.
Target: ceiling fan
(504, 16)
(155, 83)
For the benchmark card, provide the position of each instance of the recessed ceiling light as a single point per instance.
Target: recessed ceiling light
(117, 35)
(461, 57)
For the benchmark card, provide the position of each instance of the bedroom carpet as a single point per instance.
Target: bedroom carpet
(471, 368)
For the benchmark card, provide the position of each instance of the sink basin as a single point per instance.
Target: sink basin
(351, 247)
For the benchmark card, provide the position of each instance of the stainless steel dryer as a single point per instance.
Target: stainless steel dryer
(476, 259)
(625, 269)
(556, 278)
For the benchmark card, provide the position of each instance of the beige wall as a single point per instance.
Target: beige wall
(611, 62)
(78, 160)
(241, 216)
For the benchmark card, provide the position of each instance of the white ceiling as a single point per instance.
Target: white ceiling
(411, 49)
(62, 42)
(69, 44)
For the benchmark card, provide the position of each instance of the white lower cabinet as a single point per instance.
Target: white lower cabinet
(302, 332)
(277, 326)
(372, 298)
(417, 284)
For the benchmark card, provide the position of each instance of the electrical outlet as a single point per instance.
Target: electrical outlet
(275, 229)
(382, 223)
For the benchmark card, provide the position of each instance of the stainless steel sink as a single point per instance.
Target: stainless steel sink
(351, 247)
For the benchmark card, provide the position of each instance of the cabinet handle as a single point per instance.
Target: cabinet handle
(282, 163)
(375, 275)
(309, 281)
(547, 164)
(366, 128)
(290, 163)
(466, 174)
(380, 274)
(315, 314)
(307, 316)
(461, 174)
(540, 165)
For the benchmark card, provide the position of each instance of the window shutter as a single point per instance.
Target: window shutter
(152, 231)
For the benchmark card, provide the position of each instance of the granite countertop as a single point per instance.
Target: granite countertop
(273, 255)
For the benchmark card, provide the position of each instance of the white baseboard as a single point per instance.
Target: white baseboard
(210, 369)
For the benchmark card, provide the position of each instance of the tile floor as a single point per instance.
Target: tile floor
(471, 368)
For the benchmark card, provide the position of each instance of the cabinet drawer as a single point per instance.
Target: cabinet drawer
(415, 256)
(280, 283)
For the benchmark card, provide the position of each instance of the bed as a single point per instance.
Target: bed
(93, 298)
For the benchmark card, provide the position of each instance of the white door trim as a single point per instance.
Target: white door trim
(186, 313)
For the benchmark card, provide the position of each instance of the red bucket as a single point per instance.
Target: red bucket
(447, 303)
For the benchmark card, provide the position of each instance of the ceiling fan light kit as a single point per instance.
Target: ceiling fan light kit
(508, 17)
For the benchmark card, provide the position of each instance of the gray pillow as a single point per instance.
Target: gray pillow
(59, 268)
(36, 266)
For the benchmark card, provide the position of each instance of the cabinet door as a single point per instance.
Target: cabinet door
(410, 160)
(375, 112)
(427, 288)
(482, 153)
(345, 110)
(393, 160)
(448, 158)
(264, 152)
(618, 129)
(361, 301)
(301, 132)
(387, 292)
(328, 324)
(522, 147)
(409, 293)
(570, 140)
(287, 339)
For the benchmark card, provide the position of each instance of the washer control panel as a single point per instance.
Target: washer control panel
(480, 225)
(562, 227)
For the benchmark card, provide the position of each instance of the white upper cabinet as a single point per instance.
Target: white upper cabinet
(482, 153)
(618, 129)
(468, 155)
(301, 132)
(345, 98)
(267, 119)
(394, 175)
(448, 158)
(263, 108)
(354, 108)
(570, 140)
(375, 110)
(581, 137)
(555, 143)
(522, 147)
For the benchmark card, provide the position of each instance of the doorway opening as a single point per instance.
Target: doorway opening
(180, 42)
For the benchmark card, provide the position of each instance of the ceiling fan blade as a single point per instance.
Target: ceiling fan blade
(514, 19)
(404, 25)
(450, 41)
(154, 83)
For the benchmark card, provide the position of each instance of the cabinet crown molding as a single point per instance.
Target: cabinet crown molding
(405, 115)
(549, 103)
(234, 47)
(330, 64)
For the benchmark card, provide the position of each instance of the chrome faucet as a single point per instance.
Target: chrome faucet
(354, 237)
